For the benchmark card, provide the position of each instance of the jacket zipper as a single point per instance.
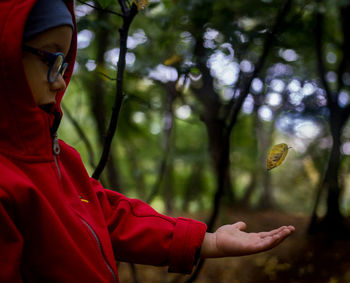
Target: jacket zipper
(56, 151)
(100, 248)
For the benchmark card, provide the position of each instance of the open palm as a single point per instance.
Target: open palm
(231, 240)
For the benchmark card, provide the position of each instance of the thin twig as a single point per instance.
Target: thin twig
(319, 56)
(267, 46)
(100, 9)
(196, 271)
(81, 134)
(127, 19)
(124, 7)
(106, 76)
(168, 130)
(134, 272)
(345, 61)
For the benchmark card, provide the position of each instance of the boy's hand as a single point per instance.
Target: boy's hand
(231, 240)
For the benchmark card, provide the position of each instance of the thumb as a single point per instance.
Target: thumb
(240, 225)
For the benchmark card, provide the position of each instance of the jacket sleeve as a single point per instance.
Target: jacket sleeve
(11, 243)
(141, 235)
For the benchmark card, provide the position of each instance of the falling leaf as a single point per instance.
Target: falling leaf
(276, 155)
(141, 4)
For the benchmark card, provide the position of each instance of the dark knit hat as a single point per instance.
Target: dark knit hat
(47, 14)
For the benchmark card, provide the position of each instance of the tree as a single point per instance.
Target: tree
(338, 114)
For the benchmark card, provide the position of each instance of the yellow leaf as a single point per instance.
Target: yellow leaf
(173, 60)
(276, 155)
(141, 4)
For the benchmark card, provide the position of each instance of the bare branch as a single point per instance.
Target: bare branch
(100, 9)
(81, 134)
(106, 76)
(345, 61)
(319, 55)
(124, 7)
(167, 134)
(266, 49)
(127, 19)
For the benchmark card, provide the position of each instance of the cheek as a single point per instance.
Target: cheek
(37, 78)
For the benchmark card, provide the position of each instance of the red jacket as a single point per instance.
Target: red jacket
(56, 223)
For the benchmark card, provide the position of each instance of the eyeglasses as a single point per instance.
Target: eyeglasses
(56, 63)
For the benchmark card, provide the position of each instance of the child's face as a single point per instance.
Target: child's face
(36, 68)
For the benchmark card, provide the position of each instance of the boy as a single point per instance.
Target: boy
(56, 223)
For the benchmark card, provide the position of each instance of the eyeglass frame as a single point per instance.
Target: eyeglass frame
(50, 58)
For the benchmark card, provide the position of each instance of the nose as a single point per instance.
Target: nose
(59, 84)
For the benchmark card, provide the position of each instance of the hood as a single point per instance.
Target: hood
(25, 129)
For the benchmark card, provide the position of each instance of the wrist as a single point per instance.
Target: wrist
(208, 248)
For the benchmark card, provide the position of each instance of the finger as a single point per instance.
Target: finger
(277, 238)
(240, 225)
(272, 232)
(289, 229)
(270, 242)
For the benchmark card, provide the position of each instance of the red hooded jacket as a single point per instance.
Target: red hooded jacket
(56, 223)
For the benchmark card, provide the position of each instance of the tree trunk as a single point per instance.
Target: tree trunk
(213, 116)
(333, 219)
(219, 146)
(332, 224)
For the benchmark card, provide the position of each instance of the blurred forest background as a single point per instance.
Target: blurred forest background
(204, 89)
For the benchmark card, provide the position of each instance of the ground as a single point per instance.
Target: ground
(301, 258)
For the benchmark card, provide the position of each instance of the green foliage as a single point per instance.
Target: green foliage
(234, 31)
(105, 3)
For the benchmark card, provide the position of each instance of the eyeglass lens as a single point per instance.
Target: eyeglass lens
(56, 68)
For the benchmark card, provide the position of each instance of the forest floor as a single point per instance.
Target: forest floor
(301, 258)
